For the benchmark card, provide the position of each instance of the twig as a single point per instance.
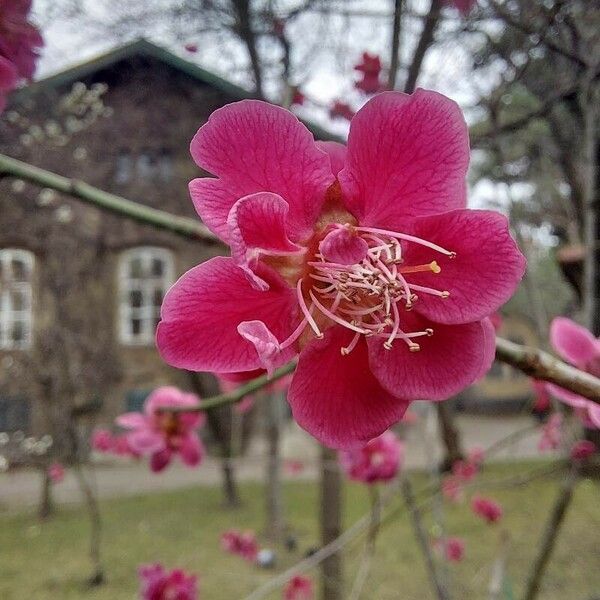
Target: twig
(407, 491)
(550, 535)
(189, 228)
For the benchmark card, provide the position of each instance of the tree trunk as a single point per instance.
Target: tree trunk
(275, 524)
(450, 436)
(331, 524)
(46, 507)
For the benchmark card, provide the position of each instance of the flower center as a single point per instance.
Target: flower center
(367, 297)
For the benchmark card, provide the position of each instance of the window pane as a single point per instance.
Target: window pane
(136, 326)
(158, 297)
(17, 300)
(135, 298)
(158, 267)
(19, 270)
(136, 270)
(18, 332)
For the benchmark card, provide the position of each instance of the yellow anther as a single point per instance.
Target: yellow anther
(414, 347)
(432, 266)
(435, 268)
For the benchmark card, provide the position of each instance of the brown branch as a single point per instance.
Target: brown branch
(541, 365)
(395, 50)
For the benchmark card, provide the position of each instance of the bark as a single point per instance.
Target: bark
(331, 525)
(450, 436)
(275, 524)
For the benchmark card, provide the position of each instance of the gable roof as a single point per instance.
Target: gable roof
(145, 48)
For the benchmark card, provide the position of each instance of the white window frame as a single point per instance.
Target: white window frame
(8, 316)
(147, 313)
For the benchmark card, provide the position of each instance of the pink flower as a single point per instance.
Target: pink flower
(243, 544)
(542, 397)
(341, 110)
(370, 70)
(122, 447)
(454, 549)
(298, 97)
(551, 433)
(102, 440)
(191, 48)
(578, 346)
(378, 460)
(56, 472)
(19, 45)
(464, 470)
(582, 450)
(161, 434)
(486, 508)
(464, 6)
(158, 584)
(452, 488)
(298, 587)
(476, 455)
(331, 249)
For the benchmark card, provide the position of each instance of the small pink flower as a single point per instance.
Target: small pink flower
(243, 544)
(454, 549)
(122, 447)
(551, 433)
(452, 488)
(191, 47)
(293, 467)
(486, 508)
(476, 455)
(342, 110)
(464, 6)
(363, 261)
(298, 97)
(158, 584)
(582, 450)
(578, 346)
(298, 587)
(542, 397)
(465, 470)
(102, 440)
(378, 460)
(161, 434)
(56, 472)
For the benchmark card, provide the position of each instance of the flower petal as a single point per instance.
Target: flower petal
(484, 274)
(191, 450)
(254, 146)
(257, 225)
(201, 312)
(337, 154)
(145, 441)
(407, 157)
(132, 420)
(449, 361)
(336, 398)
(567, 396)
(574, 343)
(267, 346)
(343, 246)
(160, 460)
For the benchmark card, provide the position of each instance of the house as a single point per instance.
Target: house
(80, 290)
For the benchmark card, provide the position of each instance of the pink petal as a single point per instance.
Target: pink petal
(132, 420)
(594, 414)
(449, 361)
(343, 246)
(253, 146)
(488, 348)
(145, 441)
(257, 225)
(337, 155)
(8, 75)
(568, 397)
(201, 312)
(484, 274)
(160, 460)
(407, 157)
(573, 342)
(191, 450)
(267, 347)
(336, 398)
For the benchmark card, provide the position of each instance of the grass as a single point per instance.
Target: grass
(40, 561)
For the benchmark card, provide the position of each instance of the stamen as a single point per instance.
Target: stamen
(427, 290)
(408, 238)
(335, 318)
(306, 311)
(432, 266)
(346, 350)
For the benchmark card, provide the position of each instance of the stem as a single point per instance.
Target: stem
(189, 228)
(395, 50)
(407, 491)
(550, 536)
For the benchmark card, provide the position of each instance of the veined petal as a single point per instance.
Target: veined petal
(450, 360)
(484, 274)
(254, 146)
(267, 346)
(201, 312)
(344, 247)
(336, 398)
(337, 155)
(574, 343)
(407, 157)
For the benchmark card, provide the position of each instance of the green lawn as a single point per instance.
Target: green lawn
(40, 561)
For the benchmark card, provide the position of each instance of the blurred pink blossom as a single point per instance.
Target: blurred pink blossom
(486, 508)
(551, 433)
(582, 450)
(542, 397)
(293, 467)
(378, 460)
(191, 47)
(56, 472)
(241, 543)
(298, 587)
(342, 110)
(162, 434)
(102, 440)
(156, 583)
(454, 549)
(452, 488)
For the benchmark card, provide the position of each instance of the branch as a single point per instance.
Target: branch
(395, 50)
(541, 365)
(189, 228)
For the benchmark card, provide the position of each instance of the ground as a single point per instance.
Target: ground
(48, 561)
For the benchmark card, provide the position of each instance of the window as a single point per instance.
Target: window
(16, 267)
(145, 274)
(14, 414)
(123, 167)
(165, 165)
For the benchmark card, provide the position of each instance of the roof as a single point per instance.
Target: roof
(142, 47)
